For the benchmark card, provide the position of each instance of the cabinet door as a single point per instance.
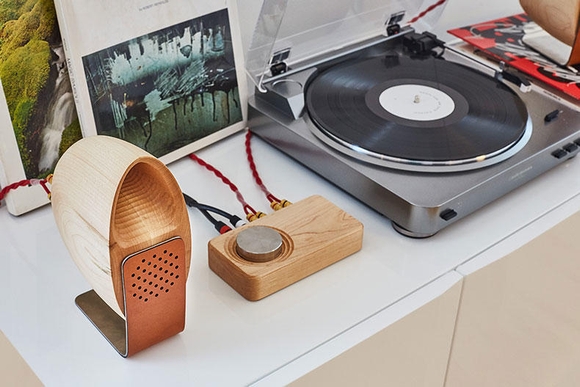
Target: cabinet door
(410, 351)
(13, 369)
(519, 317)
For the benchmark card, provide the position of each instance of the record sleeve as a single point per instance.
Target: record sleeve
(502, 39)
(38, 121)
(166, 76)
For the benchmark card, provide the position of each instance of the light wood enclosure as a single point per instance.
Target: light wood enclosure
(315, 234)
(560, 18)
(111, 199)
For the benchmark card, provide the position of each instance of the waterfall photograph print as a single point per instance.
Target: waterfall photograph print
(36, 86)
(168, 88)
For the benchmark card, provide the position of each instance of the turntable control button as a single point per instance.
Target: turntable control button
(559, 153)
(448, 214)
(571, 147)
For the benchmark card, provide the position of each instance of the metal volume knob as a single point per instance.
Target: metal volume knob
(259, 244)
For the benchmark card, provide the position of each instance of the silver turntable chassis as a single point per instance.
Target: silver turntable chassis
(419, 204)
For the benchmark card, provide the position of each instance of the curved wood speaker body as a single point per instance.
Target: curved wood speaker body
(560, 18)
(112, 199)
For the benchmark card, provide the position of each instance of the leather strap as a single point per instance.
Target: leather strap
(575, 54)
(154, 292)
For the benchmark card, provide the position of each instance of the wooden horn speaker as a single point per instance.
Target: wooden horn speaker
(122, 217)
(561, 19)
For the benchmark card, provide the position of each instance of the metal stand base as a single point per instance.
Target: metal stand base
(154, 299)
(109, 323)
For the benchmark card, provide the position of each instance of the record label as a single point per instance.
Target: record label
(416, 102)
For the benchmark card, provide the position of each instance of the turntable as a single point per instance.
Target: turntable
(415, 128)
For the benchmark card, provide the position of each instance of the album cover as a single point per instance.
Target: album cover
(503, 40)
(38, 121)
(163, 75)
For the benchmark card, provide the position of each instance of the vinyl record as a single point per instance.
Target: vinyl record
(423, 111)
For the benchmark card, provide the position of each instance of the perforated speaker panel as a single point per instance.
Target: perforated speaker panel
(154, 292)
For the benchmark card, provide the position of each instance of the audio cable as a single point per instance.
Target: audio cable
(251, 213)
(205, 210)
(275, 203)
(27, 183)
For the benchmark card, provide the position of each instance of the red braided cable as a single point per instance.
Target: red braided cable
(247, 208)
(425, 12)
(13, 186)
(42, 183)
(255, 173)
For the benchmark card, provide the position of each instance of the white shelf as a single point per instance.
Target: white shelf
(228, 340)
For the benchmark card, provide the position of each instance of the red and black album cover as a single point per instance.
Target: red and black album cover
(502, 39)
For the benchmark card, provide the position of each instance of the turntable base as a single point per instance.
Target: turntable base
(418, 202)
(410, 234)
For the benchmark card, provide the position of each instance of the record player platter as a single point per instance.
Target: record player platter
(423, 140)
(417, 114)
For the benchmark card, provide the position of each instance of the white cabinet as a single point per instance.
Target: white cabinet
(519, 318)
(409, 351)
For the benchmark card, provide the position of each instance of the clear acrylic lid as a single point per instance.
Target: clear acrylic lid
(311, 28)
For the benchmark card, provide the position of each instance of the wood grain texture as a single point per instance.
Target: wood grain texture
(315, 234)
(560, 18)
(111, 199)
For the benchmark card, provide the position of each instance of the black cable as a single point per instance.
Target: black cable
(191, 202)
(205, 209)
(217, 211)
